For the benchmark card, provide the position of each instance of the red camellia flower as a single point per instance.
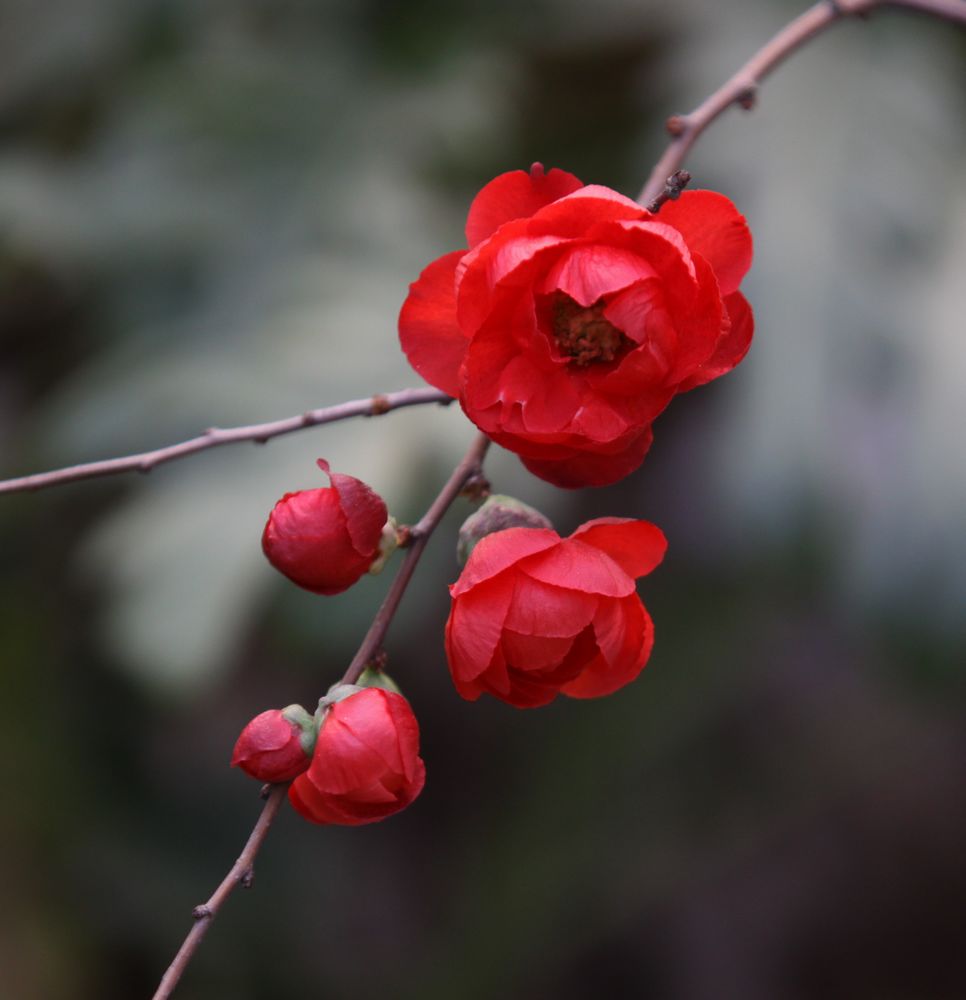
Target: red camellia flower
(535, 615)
(576, 315)
(325, 539)
(276, 745)
(366, 764)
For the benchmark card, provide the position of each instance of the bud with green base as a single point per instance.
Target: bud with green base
(497, 513)
(277, 745)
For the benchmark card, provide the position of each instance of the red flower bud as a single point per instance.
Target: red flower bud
(325, 539)
(276, 745)
(366, 764)
(535, 615)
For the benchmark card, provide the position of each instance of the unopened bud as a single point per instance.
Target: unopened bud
(497, 513)
(276, 745)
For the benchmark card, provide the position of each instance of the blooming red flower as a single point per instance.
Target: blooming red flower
(366, 764)
(325, 539)
(576, 315)
(276, 745)
(535, 615)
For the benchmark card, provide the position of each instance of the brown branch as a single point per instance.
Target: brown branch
(742, 88)
(673, 187)
(242, 870)
(214, 437)
(418, 536)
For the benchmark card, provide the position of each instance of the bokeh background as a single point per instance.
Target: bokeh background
(209, 214)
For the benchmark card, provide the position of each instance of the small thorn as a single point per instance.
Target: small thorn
(247, 879)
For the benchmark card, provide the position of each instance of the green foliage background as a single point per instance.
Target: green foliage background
(209, 214)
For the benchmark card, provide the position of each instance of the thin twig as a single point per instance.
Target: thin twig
(673, 187)
(242, 870)
(418, 537)
(214, 437)
(742, 88)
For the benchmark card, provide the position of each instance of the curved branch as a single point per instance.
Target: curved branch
(742, 88)
(214, 437)
(242, 870)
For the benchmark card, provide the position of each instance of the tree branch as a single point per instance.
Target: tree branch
(419, 535)
(214, 437)
(243, 869)
(742, 88)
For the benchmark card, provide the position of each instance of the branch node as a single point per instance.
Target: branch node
(747, 97)
(477, 487)
(246, 878)
(380, 405)
(673, 187)
(378, 660)
(676, 125)
(201, 912)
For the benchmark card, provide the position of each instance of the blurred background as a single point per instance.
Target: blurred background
(209, 214)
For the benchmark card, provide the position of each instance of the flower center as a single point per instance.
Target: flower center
(583, 335)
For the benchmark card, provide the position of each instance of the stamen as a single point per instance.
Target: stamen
(583, 334)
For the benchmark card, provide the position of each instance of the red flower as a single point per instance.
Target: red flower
(325, 539)
(576, 315)
(535, 615)
(366, 764)
(276, 745)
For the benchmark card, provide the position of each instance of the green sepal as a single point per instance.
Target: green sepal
(372, 678)
(308, 724)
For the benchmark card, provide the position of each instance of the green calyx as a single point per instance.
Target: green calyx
(369, 678)
(373, 678)
(308, 724)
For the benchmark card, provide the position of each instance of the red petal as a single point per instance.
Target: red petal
(714, 228)
(575, 566)
(636, 546)
(601, 677)
(732, 346)
(590, 469)
(515, 195)
(428, 330)
(523, 241)
(535, 652)
(364, 510)
(474, 627)
(541, 609)
(588, 272)
(342, 761)
(367, 715)
(499, 551)
(407, 733)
